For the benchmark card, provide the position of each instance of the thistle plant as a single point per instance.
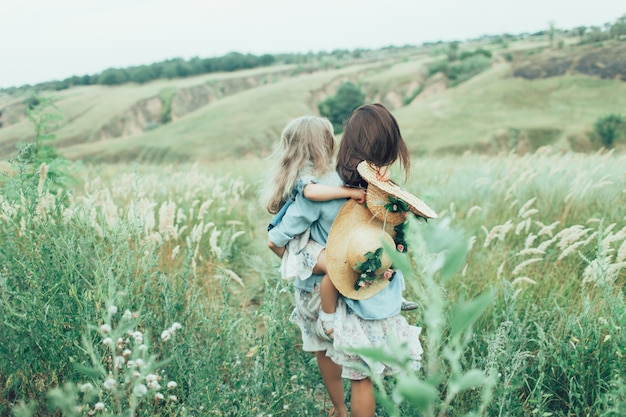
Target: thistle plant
(123, 379)
(438, 253)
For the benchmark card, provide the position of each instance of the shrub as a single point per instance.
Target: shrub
(338, 108)
(610, 128)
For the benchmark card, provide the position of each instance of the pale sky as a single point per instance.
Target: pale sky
(44, 40)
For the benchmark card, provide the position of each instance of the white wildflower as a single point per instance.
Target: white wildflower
(85, 387)
(544, 245)
(236, 235)
(158, 396)
(154, 385)
(127, 352)
(524, 225)
(173, 398)
(527, 262)
(498, 232)
(119, 361)
(139, 363)
(530, 251)
(172, 385)
(232, 275)
(112, 310)
(471, 242)
(500, 270)
(140, 390)
(109, 384)
(107, 341)
(546, 230)
(99, 406)
(138, 336)
(166, 334)
(570, 235)
(142, 348)
(176, 326)
(473, 210)
(127, 315)
(525, 211)
(519, 280)
(105, 328)
(530, 239)
(217, 251)
(621, 252)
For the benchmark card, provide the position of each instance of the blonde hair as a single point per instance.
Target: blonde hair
(306, 146)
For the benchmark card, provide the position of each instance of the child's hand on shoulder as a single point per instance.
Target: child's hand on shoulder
(357, 194)
(383, 174)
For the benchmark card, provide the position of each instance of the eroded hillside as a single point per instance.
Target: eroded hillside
(242, 113)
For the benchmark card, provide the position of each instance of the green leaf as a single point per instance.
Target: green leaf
(419, 393)
(378, 355)
(471, 379)
(89, 371)
(466, 313)
(398, 260)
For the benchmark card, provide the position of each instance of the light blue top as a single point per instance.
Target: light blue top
(319, 216)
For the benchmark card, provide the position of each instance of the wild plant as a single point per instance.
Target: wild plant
(123, 378)
(437, 253)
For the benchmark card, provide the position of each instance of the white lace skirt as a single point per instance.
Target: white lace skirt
(393, 335)
(305, 316)
(300, 257)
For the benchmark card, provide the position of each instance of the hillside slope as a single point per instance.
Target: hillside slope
(530, 99)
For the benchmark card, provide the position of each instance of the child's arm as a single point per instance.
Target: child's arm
(278, 250)
(321, 192)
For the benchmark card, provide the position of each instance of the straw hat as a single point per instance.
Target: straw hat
(385, 199)
(354, 235)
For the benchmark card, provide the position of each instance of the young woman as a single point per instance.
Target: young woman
(370, 134)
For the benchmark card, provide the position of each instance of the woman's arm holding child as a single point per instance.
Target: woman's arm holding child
(321, 192)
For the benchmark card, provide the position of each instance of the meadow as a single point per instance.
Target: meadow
(149, 291)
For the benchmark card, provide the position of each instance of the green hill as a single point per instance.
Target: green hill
(531, 95)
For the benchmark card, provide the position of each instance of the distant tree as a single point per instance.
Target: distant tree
(453, 49)
(619, 28)
(580, 31)
(338, 108)
(551, 32)
(113, 76)
(610, 128)
(141, 74)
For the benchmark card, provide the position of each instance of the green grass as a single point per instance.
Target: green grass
(144, 238)
(476, 110)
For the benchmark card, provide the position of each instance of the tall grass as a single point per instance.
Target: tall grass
(544, 234)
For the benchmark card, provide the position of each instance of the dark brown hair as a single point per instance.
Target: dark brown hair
(370, 134)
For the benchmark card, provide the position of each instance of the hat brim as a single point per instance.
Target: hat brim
(351, 216)
(417, 206)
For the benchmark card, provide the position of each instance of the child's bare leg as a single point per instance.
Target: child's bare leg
(328, 292)
(328, 297)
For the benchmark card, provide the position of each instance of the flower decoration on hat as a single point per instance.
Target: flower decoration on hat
(368, 270)
(396, 205)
